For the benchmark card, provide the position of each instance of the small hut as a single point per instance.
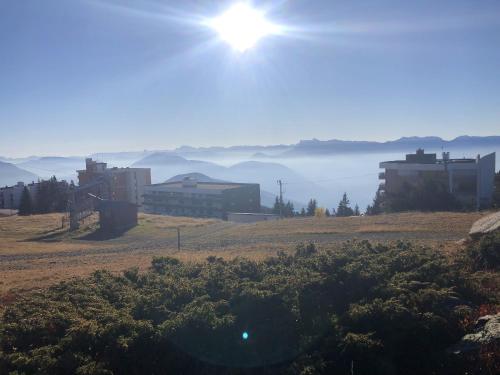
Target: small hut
(117, 216)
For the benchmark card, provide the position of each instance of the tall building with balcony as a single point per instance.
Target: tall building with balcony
(471, 181)
(201, 199)
(123, 184)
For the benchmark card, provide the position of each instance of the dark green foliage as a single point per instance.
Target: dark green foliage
(374, 309)
(356, 210)
(52, 196)
(485, 252)
(429, 195)
(344, 208)
(311, 207)
(376, 207)
(287, 210)
(26, 205)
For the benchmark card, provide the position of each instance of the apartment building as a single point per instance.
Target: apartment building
(10, 196)
(118, 184)
(471, 181)
(201, 199)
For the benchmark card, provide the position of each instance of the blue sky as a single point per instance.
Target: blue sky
(78, 77)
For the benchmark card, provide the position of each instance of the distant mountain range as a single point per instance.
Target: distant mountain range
(164, 165)
(303, 147)
(64, 168)
(305, 166)
(11, 174)
(405, 144)
(316, 147)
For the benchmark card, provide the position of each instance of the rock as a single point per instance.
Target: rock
(487, 224)
(487, 332)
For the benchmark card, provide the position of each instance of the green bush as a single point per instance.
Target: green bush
(362, 308)
(485, 252)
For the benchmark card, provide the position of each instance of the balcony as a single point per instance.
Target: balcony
(381, 176)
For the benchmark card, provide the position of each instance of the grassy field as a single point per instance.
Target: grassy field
(36, 252)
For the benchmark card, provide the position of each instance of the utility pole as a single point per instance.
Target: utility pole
(178, 239)
(280, 183)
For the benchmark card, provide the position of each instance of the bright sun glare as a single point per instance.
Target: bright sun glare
(242, 26)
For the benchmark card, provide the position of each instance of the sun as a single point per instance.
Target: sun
(242, 26)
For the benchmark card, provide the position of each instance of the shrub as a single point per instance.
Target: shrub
(365, 308)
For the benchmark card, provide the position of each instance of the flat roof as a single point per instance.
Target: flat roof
(438, 161)
(200, 188)
(201, 185)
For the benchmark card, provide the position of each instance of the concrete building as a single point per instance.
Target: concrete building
(10, 196)
(471, 181)
(123, 184)
(116, 216)
(201, 199)
(247, 217)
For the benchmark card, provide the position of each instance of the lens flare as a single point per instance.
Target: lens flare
(242, 26)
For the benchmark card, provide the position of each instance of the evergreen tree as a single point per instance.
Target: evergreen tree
(376, 207)
(52, 195)
(303, 212)
(276, 207)
(344, 208)
(311, 207)
(280, 208)
(289, 210)
(25, 206)
(356, 210)
(327, 213)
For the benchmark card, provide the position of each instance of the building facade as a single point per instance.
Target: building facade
(201, 199)
(471, 181)
(116, 216)
(10, 196)
(121, 184)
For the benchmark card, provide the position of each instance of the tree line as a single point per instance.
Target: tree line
(343, 209)
(51, 196)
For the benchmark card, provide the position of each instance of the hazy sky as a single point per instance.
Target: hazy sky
(79, 76)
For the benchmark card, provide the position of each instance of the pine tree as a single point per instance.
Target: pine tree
(311, 207)
(356, 210)
(276, 207)
(376, 207)
(303, 212)
(25, 206)
(344, 209)
(327, 213)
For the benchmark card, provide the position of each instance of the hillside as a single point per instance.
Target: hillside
(356, 307)
(10, 174)
(36, 252)
(165, 165)
(64, 168)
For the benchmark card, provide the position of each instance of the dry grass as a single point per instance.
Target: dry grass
(35, 252)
